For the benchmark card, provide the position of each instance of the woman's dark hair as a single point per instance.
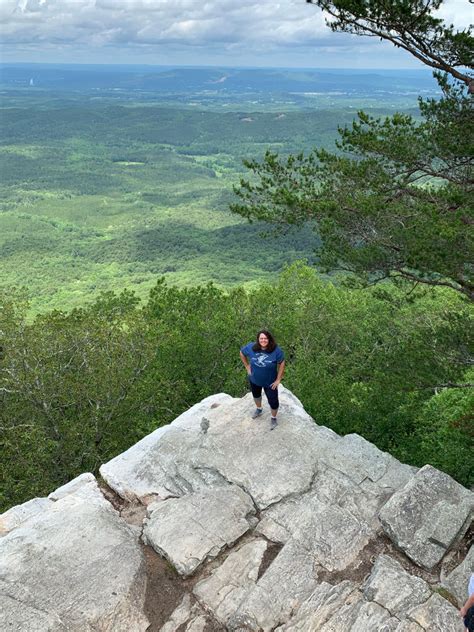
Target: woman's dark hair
(271, 341)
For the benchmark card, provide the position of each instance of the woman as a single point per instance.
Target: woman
(265, 365)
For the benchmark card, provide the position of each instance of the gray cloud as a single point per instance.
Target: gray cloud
(141, 28)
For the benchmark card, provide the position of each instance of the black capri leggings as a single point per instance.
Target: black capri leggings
(272, 395)
(469, 619)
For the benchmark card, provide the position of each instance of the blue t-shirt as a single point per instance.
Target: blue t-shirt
(263, 365)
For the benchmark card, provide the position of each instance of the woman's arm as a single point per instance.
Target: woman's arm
(245, 363)
(469, 603)
(281, 370)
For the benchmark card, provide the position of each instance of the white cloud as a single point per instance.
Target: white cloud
(199, 31)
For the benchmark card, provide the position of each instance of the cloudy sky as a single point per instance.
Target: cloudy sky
(192, 32)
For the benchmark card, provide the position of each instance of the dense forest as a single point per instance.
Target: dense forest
(98, 197)
(109, 188)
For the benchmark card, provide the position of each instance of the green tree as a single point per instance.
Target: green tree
(396, 200)
(70, 389)
(444, 433)
(407, 24)
(198, 333)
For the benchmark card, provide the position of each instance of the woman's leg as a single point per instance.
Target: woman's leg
(257, 398)
(272, 396)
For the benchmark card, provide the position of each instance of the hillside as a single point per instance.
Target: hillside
(104, 197)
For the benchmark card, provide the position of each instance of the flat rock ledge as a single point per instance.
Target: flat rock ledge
(295, 530)
(196, 527)
(73, 566)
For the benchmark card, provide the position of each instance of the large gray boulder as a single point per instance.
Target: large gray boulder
(333, 521)
(196, 527)
(282, 529)
(286, 584)
(227, 587)
(161, 462)
(362, 461)
(188, 455)
(437, 615)
(74, 567)
(426, 516)
(330, 534)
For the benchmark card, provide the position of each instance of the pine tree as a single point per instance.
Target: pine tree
(396, 200)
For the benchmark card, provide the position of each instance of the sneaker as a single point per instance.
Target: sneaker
(273, 423)
(257, 412)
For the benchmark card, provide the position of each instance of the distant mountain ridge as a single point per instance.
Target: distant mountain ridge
(166, 79)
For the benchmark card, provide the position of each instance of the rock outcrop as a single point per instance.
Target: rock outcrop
(295, 529)
(73, 565)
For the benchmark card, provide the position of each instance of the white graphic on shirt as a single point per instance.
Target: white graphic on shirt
(262, 360)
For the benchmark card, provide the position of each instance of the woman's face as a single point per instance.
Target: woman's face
(263, 341)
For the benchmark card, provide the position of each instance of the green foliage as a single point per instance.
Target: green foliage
(397, 201)
(366, 362)
(445, 431)
(69, 384)
(98, 197)
(76, 389)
